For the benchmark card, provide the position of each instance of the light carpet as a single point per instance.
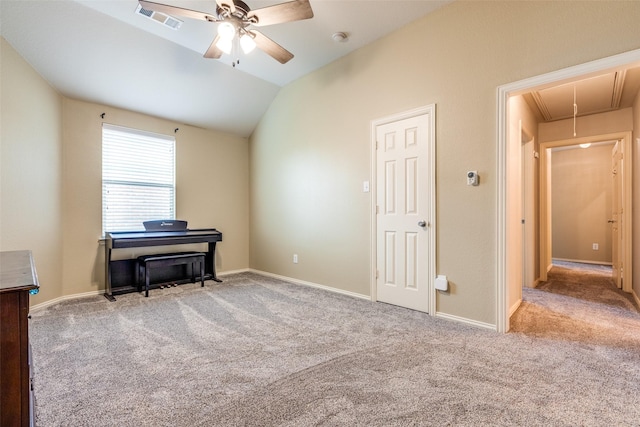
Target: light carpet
(256, 351)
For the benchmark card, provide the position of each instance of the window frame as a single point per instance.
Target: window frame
(127, 135)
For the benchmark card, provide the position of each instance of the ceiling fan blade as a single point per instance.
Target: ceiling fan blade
(272, 48)
(213, 52)
(283, 12)
(228, 4)
(176, 11)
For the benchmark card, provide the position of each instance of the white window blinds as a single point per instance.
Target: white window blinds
(138, 178)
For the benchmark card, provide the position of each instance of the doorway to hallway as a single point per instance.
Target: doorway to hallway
(510, 247)
(583, 188)
(614, 215)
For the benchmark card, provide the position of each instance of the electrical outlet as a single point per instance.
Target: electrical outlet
(295, 258)
(595, 246)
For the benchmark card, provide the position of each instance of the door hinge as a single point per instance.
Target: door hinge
(377, 209)
(377, 274)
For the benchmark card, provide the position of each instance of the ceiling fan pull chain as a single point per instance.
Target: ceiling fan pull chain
(235, 52)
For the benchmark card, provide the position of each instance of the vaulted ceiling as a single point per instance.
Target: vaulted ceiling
(103, 51)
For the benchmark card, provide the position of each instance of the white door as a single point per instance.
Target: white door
(617, 246)
(404, 212)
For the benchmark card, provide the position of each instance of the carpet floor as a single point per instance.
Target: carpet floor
(579, 302)
(256, 351)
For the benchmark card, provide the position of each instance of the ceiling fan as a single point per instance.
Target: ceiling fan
(235, 18)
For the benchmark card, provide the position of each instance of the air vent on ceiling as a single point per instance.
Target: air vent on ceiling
(159, 17)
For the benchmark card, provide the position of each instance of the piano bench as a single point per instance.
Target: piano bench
(146, 262)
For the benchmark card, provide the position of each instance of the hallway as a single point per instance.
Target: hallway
(579, 302)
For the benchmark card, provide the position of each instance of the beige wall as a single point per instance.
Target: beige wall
(31, 169)
(211, 188)
(51, 181)
(311, 151)
(581, 194)
(593, 125)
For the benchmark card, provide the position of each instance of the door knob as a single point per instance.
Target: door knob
(422, 224)
(610, 221)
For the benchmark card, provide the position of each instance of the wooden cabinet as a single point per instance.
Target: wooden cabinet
(18, 279)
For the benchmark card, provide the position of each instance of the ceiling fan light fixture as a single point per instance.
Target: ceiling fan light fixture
(233, 17)
(225, 45)
(226, 31)
(247, 43)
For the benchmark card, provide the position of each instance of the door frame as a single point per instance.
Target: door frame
(429, 110)
(504, 92)
(625, 138)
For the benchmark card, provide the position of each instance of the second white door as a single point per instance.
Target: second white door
(404, 223)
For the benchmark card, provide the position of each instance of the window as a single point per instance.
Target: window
(138, 178)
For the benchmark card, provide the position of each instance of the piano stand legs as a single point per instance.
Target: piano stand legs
(145, 263)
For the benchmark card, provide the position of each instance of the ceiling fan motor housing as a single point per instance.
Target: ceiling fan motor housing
(236, 13)
(239, 16)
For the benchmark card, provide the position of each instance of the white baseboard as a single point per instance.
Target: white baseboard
(227, 273)
(533, 285)
(466, 321)
(582, 261)
(514, 307)
(46, 304)
(311, 284)
(446, 316)
(636, 297)
(368, 298)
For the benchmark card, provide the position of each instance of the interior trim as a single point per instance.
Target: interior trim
(466, 321)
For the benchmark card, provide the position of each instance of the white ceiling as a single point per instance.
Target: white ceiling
(604, 92)
(102, 51)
